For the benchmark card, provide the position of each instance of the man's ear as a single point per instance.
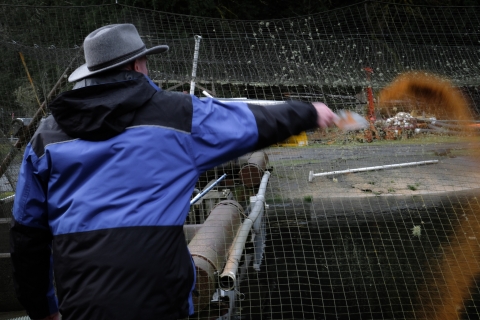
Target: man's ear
(136, 66)
(130, 66)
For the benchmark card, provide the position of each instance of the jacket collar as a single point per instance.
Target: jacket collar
(108, 77)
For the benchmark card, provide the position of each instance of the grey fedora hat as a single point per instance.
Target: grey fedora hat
(111, 46)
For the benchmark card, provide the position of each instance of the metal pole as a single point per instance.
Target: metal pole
(388, 166)
(195, 62)
(201, 194)
(229, 274)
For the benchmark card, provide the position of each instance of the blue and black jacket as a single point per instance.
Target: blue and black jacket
(104, 191)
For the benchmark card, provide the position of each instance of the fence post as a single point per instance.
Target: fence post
(195, 62)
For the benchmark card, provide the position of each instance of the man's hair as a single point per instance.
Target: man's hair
(126, 66)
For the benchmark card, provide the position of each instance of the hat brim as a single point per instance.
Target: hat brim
(83, 72)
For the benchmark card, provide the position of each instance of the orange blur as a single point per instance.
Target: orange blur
(425, 93)
(449, 278)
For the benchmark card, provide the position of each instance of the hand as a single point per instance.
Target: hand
(55, 316)
(325, 116)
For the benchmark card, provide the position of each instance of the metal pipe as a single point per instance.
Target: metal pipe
(8, 199)
(259, 233)
(311, 175)
(205, 93)
(201, 194)
(260, 198)
(263, 184)
(229, 274)
(252, 101)
(195, 62)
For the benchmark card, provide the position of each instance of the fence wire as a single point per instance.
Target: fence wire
(320, 242)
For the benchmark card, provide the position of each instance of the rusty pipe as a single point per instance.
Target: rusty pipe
(251, 173)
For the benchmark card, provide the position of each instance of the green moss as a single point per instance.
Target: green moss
(275, 199)
(308, 199)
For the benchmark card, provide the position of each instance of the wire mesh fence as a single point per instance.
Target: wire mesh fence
(297, 232)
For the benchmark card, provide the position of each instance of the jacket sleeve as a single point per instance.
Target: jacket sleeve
(30, 243)
(222, 131)
(275, 123)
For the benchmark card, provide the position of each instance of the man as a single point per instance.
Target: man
(106, 181)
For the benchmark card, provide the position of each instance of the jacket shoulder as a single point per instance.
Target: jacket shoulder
(167, 109)
(48, 132)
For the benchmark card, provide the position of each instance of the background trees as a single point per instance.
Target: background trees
(235, 9)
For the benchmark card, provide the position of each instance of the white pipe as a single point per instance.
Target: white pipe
(201, 194)
(263, 184)
(251, 101)
(205, 93)
(228, 276)
(260, 198)
(195, 62)
(311, 175)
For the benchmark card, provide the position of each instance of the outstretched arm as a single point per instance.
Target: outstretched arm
(277, 122)
(224, 130)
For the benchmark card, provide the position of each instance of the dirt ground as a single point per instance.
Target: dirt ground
(457, 169)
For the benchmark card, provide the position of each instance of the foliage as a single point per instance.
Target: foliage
(25, 97)
(241, 10)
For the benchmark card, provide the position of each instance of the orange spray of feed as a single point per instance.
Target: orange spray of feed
(427, 94)
(444, 294)
(445, 291)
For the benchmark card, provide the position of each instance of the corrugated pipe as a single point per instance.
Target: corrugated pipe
(229, 274)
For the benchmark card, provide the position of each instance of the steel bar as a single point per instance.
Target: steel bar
(195, 63)
(201, 194)
(387, 166)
